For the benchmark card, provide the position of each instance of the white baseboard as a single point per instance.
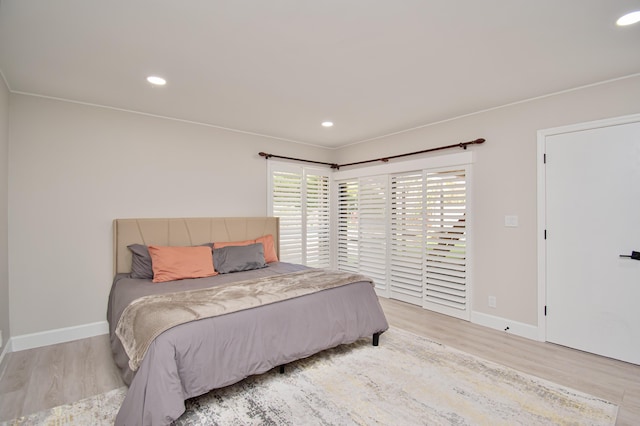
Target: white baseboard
(509, 326)
(60, 335)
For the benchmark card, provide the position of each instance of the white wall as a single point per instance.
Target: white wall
(4, 275)
(74, 168)
(504, 173)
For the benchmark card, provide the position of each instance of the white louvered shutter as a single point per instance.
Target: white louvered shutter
(348, 225)
(287, 205)
(408, 231)
(317, 220)
(372, 235)
(300, 197)
(407, 237)
(446, 246)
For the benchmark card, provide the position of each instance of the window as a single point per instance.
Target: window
(408, 231)
(299, 196)
(362, 228)
(407, 237)
(348, 230)
(405, 225)
(446, 264)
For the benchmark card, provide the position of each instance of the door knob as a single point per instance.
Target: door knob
(634, 255)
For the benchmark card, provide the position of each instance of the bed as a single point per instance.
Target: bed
(207, 352)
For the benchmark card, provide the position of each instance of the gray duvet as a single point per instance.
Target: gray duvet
(190, 359)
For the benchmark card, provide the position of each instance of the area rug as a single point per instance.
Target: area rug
(407, 380)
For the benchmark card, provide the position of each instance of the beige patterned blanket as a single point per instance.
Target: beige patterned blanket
(145, 318)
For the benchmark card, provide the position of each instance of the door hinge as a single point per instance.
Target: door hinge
(545, 234)
(544, 158)
(545, 310)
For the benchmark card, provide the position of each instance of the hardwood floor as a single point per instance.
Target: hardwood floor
(615, 381)
(37, 379)
(41, 378)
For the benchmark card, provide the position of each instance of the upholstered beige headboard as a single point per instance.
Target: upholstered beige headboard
(186, 232)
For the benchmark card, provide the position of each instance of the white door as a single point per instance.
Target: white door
(593, 217)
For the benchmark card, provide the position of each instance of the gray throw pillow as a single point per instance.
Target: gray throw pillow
(140, 262)
(239, 258)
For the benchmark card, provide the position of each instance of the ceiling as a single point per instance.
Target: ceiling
(279, 68)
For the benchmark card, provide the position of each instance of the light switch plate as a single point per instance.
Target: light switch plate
(511, 221)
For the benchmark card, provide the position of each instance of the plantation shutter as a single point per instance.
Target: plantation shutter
(407, 237)
(300, 197)
(287, 205)
(446, 247)
(318, 221)
(408, 231)
(348, 226)
(372, 236)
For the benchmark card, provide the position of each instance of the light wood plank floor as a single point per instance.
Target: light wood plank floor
(37, 379)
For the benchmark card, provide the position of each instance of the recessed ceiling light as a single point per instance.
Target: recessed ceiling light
(327, 124)
(158, 81)
(629, 18)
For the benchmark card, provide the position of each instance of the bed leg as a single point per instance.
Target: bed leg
(376, 339)
(281, 369)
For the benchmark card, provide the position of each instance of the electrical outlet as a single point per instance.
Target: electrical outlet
(492, 301)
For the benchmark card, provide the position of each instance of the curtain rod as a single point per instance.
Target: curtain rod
(462, 145)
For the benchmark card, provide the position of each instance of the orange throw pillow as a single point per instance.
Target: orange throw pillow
(178, 263)
(269, 248)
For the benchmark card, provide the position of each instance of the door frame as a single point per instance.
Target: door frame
(542, 206)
